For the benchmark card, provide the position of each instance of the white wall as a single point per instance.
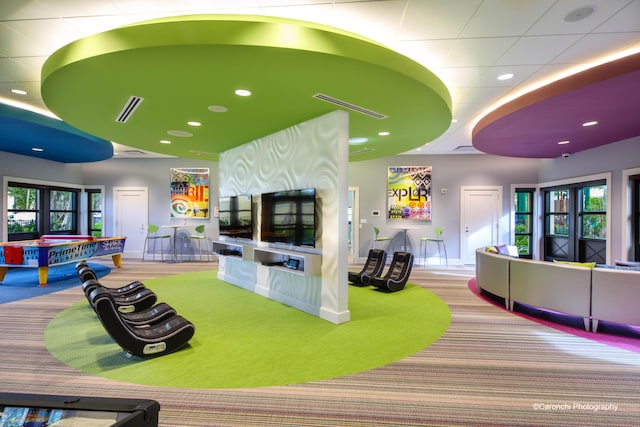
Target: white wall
(313, 154)
(450, 172)
(151, 173)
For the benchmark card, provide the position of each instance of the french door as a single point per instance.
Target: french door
(575, 222)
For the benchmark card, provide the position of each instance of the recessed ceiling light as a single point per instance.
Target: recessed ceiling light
(217, 108)
(194, 123)
(505, 76)
(179, 133)
(358, 140)
(579, 14)
(590, 123)
(38, 149)
(454, 120)
(563, 142)
(383, 133)
(19, 91)
(243, 92)
(165, 141)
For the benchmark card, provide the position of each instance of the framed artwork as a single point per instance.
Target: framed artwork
(189, 193)
(409, 193)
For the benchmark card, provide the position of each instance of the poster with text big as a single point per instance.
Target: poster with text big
(409, 193)
(189, 192)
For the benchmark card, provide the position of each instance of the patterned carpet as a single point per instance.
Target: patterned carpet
(490, 368)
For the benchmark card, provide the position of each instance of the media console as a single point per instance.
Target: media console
(293, 261)
(296, 262)
(230, 248)
(292, 277)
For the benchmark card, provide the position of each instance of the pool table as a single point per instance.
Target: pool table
(58, 249)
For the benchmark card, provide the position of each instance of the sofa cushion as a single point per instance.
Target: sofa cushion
(579, 264)
(617, 267)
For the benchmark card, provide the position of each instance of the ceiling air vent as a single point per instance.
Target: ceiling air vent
(364, 150)
(348, 105)
(129, 108)
(134, 152)
(465, 149)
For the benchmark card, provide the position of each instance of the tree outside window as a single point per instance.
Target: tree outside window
(22, 209)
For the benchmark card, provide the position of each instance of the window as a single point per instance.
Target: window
(576, 222)
(635, 216)
(23, 214)
(35, 210)
(593, 212)
(523, 207)
(63, 211)
(557, 212)
(94, 204)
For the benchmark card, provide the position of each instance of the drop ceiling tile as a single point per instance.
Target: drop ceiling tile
(538, 49)
(627, 19)
(435, 19)
(500, 18)
(62, 8)
(13, 43)
(42, 36)
(269, 3)
(9, 70)
(223, 4)
(595, 46)
(543, 76)
(479, 52)
(430, 53)
(146, 6)
(553, 21)
(482, 96)
(94, 24)
(459, 77)
(22, 9)
(322, 14)
(19, 69)
(378, 20)
(521, 73)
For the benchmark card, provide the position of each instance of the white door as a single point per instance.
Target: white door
(479, 219)
(131, 206)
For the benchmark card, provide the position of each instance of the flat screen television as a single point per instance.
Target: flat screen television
(289, 217)
(236, 216)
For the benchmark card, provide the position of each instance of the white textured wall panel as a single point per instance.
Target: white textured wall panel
(313, 154)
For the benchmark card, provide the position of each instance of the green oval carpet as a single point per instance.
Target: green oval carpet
(245, 340)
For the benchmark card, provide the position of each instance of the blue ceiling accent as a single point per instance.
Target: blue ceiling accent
(22, 130)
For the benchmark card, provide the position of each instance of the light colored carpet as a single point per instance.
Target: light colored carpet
(490, 368)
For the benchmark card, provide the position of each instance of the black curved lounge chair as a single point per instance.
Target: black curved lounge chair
(140, 317)
(398, 273)
(139, 299)
(153, 341)
(372, 267)
(85, 273)
(149, 317)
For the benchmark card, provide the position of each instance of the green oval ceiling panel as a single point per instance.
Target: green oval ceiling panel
(135, 84)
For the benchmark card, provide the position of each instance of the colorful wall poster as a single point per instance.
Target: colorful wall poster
(189, 192)
(409, 193)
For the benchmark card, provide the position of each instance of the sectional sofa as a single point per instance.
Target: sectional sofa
(595, 294)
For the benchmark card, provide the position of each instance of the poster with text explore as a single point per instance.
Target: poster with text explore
(409, 193)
